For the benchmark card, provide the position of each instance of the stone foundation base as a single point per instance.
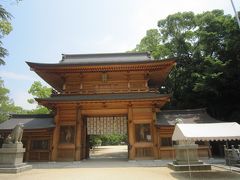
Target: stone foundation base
(186, 162)
(11, 158)
(15, 168)
(193, 167)
(238, 165)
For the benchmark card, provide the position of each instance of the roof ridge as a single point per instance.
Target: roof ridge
(108, 54)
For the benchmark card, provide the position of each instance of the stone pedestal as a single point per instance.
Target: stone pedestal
(187, 158)
(11, 158)
(186, 154)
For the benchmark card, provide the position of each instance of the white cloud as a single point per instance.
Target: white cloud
(110, 43)
(15, 76)
(20, 99)
(105, 40)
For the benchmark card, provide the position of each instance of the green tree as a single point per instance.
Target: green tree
(108, 139)
(207, 48)
(151, 43)
(7, 106)
(39, 91)
(5, 29)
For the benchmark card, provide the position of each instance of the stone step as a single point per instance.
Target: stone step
(16, 169)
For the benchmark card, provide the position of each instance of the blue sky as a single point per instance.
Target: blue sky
(45, 29)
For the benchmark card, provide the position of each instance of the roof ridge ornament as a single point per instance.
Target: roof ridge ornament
(178, 121)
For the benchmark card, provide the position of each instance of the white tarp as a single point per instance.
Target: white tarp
(207, 132)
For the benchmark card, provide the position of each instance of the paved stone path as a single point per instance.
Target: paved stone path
(120, 151)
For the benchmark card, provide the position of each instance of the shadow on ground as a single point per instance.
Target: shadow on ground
(110, 155)
(213, 175)
(99, 163)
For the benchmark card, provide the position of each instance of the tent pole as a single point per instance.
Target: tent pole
(236, 13)
(228, 159)
(172, 152)
(189, 168)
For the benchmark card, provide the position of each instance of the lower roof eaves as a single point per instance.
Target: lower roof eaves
(36, 121)
(188, 116)
(105, 97)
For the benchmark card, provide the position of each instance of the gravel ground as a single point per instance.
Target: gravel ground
(112, 167)
(131, 173)
(120, 151)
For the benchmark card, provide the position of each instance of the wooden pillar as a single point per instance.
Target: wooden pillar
(28, 148)
(50, 148)
(78, 134)
(158, 140)
(84, 138)
(131, 134)
(154, 134)
(56, 133)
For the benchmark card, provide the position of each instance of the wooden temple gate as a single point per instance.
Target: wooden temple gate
(74, 124)
(127, 86)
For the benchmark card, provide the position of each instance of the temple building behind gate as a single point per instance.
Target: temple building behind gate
(95, 94)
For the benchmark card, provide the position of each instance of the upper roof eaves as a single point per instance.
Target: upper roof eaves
(100, 63)
(103, 60)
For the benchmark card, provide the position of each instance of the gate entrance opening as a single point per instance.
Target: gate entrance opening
(107, 137)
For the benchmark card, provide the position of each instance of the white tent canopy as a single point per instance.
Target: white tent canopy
(207, 132)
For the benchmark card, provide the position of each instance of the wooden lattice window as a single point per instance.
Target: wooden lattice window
(40, 144)
(144, 152)
(166, 141)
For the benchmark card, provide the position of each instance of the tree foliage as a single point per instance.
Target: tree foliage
(207, 49)
(6, 104)
(37, 90)
(151, 43)
(5, 29)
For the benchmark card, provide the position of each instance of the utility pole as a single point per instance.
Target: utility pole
(236, 13)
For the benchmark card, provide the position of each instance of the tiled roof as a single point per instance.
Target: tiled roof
(104, 57)
(38, 121)
(190, 116)
(102, 97)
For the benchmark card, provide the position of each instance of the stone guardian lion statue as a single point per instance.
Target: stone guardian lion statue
(16, 135)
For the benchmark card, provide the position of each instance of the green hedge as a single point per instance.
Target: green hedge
(104, 140)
